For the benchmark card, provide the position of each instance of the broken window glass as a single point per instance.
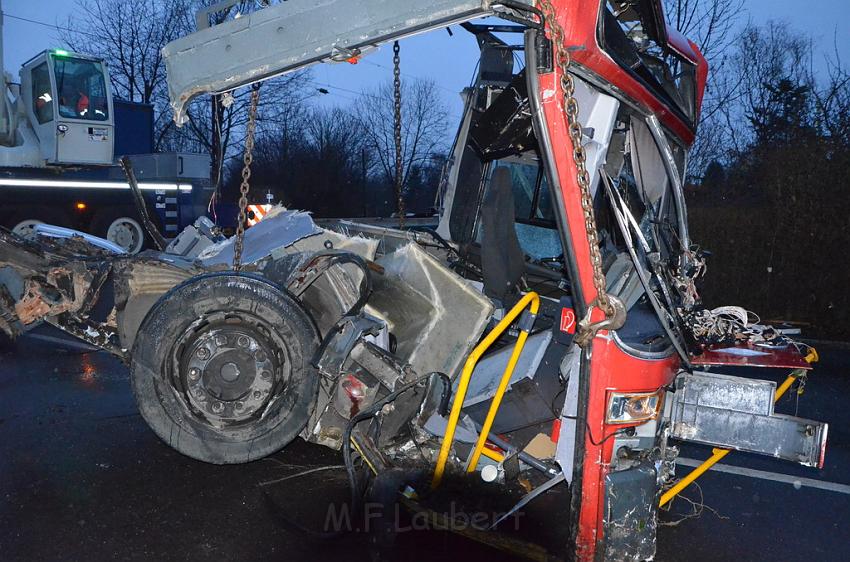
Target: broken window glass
(534, 215)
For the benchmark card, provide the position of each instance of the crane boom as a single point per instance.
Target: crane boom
(291, 35)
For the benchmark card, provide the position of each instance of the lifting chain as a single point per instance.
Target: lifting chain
(246, 176)
(399, 165)
(610, 305)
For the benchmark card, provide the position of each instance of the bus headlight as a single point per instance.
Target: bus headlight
(632, 407)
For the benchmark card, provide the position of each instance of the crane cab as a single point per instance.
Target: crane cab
(67, 99)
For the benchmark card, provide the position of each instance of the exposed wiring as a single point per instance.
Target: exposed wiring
(697, 507)
(302, 473)
(282, 514)
(604, 439)
(369, 412)
(732, 324)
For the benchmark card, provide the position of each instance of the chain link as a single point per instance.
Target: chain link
(399, 165)
(563, 59)
(248, 158)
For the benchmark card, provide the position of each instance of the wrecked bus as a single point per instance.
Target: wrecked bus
(556, 298)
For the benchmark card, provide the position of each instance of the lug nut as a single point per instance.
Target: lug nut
(266, 375)
(194, 373)
(203, 353)
(217, 407)
(220, 340)
(243, 341)
(260, 356)
(239, 406)
(258, 394)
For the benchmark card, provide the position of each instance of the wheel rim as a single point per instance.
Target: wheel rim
(26, 228)
(127, 233)
(227, 373)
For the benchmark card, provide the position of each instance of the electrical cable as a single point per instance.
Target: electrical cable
(359, 417)
(604, 439)
(51, 25)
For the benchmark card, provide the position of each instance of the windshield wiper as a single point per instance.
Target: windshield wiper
(665, 317)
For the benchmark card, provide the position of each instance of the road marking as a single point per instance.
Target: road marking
(774, 476)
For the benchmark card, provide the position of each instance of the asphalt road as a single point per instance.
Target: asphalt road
(83, 478)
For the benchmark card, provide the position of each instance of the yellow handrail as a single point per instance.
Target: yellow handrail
(532, 299)
(718, 454)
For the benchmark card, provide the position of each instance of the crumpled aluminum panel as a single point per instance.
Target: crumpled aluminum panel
(434, 314)
(279, 229)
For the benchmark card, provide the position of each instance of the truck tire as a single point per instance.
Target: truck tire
(26, 228)
(221, 368)
(122, 227)
(23, 222)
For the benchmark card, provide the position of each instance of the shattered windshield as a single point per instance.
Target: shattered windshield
(641, 222)
(81, 89)
(534, 215)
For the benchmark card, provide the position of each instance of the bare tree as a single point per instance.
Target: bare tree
(130, 37)
(779, 192)
(832, 101)
(713, 26)
(424, 124)
(318, 162)
(763, 57)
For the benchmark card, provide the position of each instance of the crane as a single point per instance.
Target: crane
(61, 130)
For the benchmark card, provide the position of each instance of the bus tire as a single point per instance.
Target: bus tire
(221, 368)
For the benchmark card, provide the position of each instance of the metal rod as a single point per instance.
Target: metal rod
(530, 460)
(528, 497)
(503, 387)
(141, 206)
(493, 455)
(466, 374)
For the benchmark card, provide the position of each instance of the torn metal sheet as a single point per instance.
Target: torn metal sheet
(748, 354)
(63, 233)
(389, 239)
(435, 316)
(737, 413)
(139, 283)
(280, 228)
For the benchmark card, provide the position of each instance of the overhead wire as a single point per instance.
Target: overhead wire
(51, 25)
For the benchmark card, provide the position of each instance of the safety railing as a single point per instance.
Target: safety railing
(531, 301)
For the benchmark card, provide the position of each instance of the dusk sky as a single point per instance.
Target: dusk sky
(423, 56)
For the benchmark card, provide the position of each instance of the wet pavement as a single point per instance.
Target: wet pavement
(83, 478)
